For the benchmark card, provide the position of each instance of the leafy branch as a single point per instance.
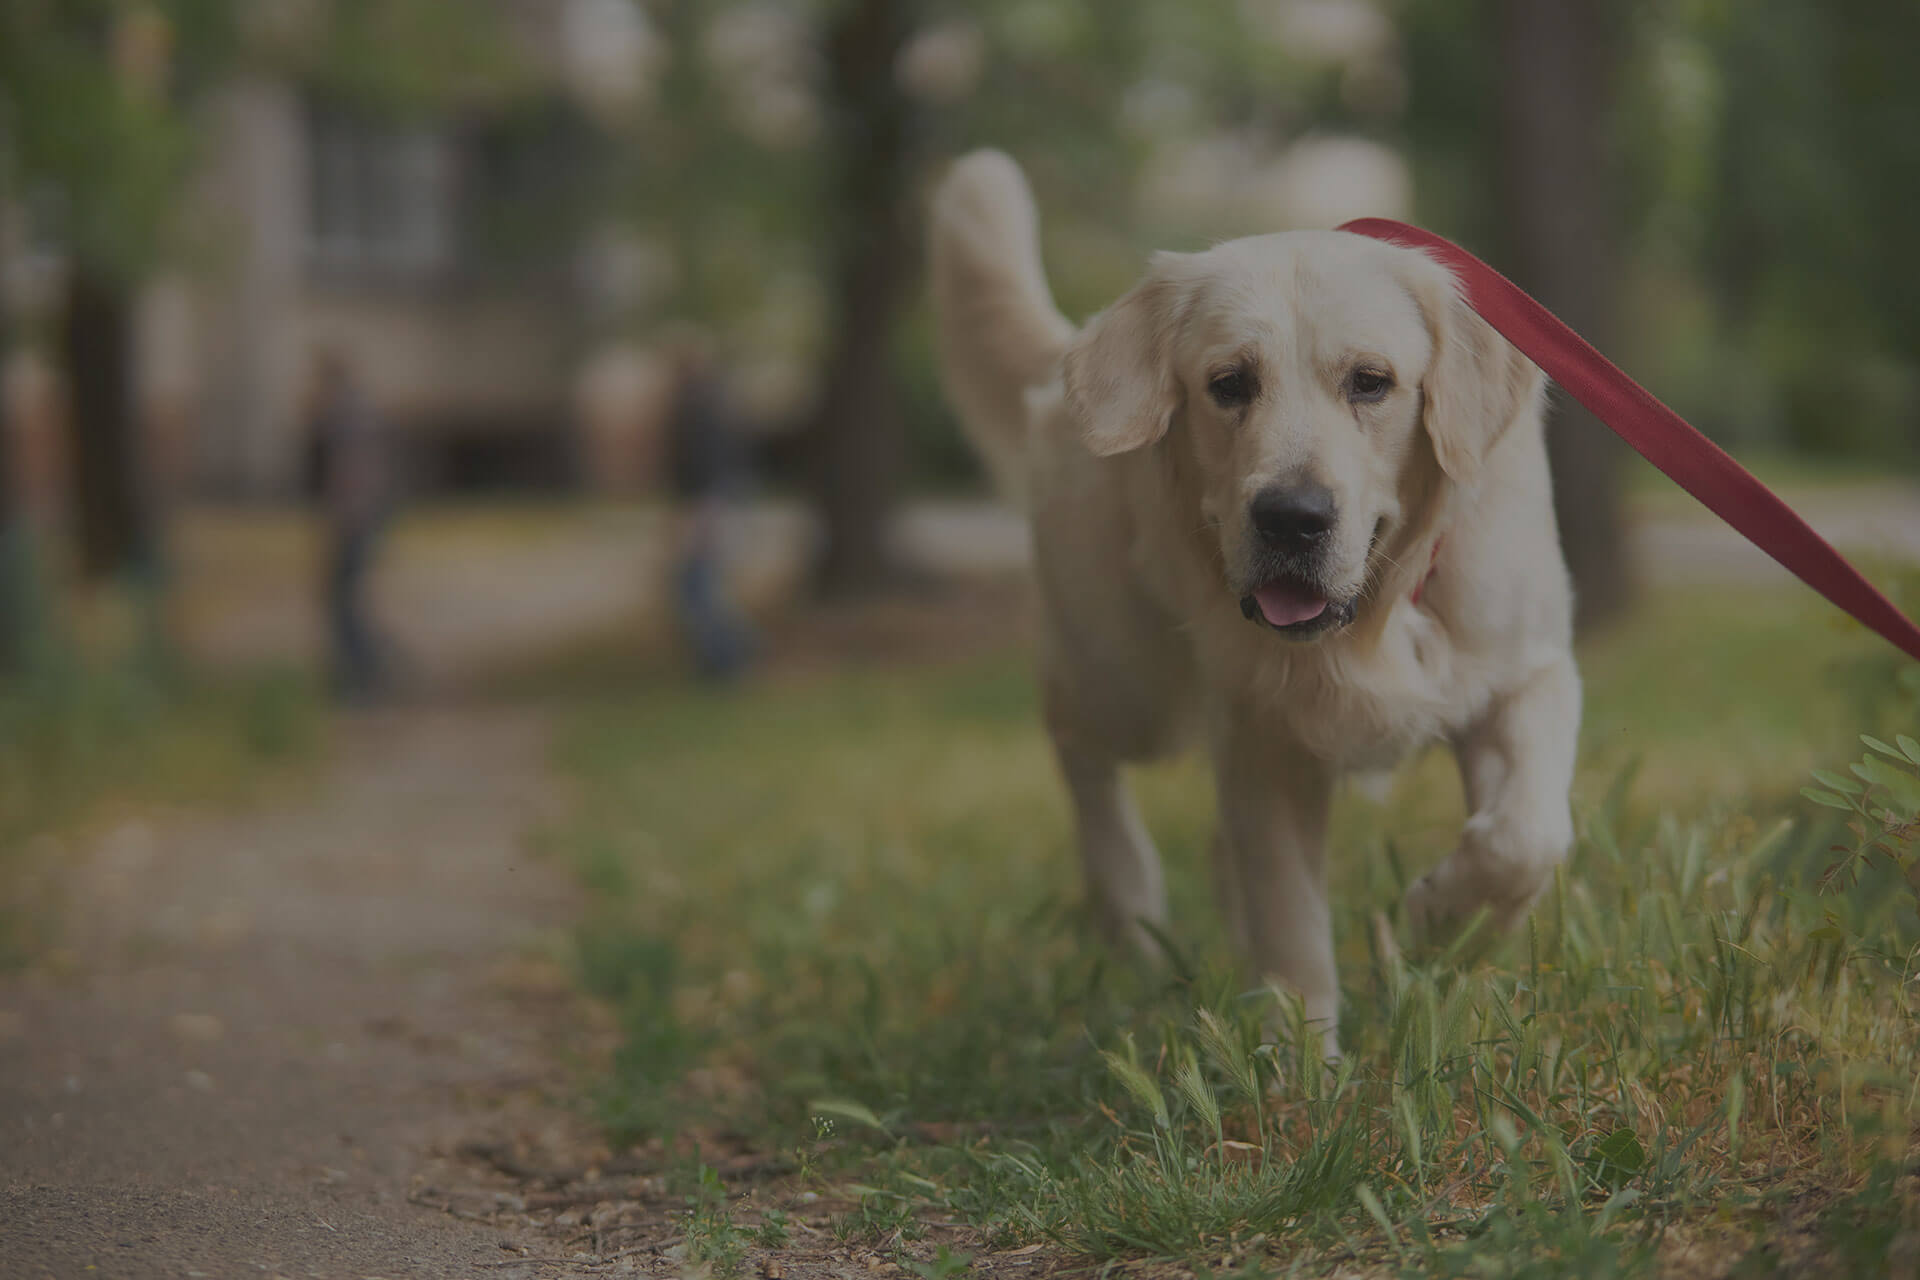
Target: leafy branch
(1882, 801)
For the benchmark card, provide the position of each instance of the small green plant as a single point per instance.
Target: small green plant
(712, 1237)
(772, 1233)
(1616, 1159)
(806, 1154)
(714, 1240)
(944, 1265)
(878, 1217)
(1882, 801)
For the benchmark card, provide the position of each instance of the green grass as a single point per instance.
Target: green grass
(840, 921)
(86, 741)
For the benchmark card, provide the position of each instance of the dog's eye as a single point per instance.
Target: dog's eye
(1364, 385)
(1231, 389)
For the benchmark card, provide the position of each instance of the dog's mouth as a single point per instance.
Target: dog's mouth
(1295, 607)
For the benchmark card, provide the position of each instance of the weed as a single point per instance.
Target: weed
(772, 1233)
(711, 1236)
(878, 1217)
(1882, 803)
(944, 1265)
(713, 1239)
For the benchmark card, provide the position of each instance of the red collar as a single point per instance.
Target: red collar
(1433, 563)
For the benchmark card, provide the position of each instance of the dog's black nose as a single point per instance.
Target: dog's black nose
(1293, 517)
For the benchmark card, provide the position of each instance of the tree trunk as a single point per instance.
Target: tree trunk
(13, 536)
(857, 429)
(113, 511)
(1558, 62)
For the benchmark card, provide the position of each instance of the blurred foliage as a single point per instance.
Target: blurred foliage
(1766, 166)
(1766, 152)
(1769, 169)
(722, 162)
(1880, 794)
(98, 98)
(1809, 221)
(87, 122)
(404, 56)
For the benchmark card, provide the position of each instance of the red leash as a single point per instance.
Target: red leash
(1662, 436)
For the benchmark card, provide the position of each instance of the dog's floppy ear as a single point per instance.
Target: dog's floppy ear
(1477, 382)
(1118, 371)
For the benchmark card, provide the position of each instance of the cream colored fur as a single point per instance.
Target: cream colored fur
(1138, 481)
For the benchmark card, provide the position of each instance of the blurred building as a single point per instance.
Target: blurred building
(360, 237)
(470, 265)
(457, 259)
(435, 254)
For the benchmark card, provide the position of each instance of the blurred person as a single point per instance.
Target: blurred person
(354, 473)
(706, 472)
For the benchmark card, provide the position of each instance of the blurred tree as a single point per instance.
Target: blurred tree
(777, 146)
(1559, 194)
(907, 83)
(96, 103)
(1808, 234)
(113, 483)
(758, 170)
(86, 118)
(14, 552)
(870, 154)
(394, 56)
(1511, 128)
(1450, 130)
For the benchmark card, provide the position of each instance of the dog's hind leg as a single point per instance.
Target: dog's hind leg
(1125, 885)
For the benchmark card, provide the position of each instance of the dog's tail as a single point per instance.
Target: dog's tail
(998, 330)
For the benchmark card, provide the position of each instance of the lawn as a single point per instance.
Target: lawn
(94, 729)
(862, 1014)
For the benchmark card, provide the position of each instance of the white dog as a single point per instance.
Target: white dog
(1289, 494)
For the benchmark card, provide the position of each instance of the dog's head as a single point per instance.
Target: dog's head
(1319, 388)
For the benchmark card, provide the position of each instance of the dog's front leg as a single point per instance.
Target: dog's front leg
(1516, 764)
(1125, 885)
(1274, 800)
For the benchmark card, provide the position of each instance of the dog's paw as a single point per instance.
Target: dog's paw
(1457, 901)
(1428, 914)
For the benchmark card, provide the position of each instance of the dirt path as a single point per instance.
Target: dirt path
(279, 1017)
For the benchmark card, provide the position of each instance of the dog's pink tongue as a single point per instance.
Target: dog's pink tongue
(1283, 604)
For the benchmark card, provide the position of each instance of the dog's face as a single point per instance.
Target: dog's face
(1317, 385)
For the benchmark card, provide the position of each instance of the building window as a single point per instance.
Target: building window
(382, 200)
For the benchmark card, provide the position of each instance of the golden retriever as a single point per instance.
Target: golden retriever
(1289, 496)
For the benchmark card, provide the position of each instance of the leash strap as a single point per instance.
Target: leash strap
(1661, 436)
